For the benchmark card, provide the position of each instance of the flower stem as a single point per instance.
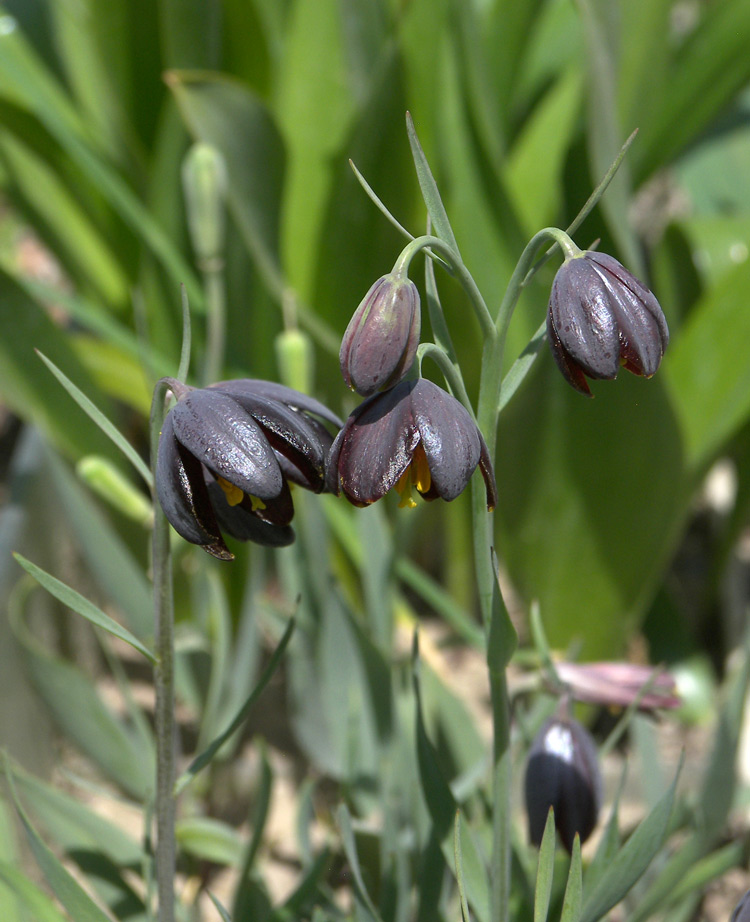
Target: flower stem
(215, 289)
(462, 274)
(163, 683)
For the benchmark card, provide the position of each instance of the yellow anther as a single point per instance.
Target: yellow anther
(256, 502)
(233, 494)
(417, 476)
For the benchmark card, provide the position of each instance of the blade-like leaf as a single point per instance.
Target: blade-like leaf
(72, 896)
(96, 415)
(83, 606)
(545, 870)
(430, 193)
(207, 755)
(37, 903)
(571, 911)
(632, 859)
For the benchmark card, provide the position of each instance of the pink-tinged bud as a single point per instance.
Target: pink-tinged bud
(380, 343)
(563, 773)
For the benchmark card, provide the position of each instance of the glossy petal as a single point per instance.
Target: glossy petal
(290, 434)
(449, 437)
(378, 442)
(220, 434)
(183, 496)
(273, 391)
(375, 446)
(563, 773)
(241, 523)
(601, 316)
(582, 318)
(381, 340)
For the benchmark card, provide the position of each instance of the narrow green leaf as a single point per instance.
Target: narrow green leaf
(522, 366)
(503, 639)
(76, 707)
(571, 911)
(119, 575)
(100, 419)
(223, 913)
(609, 843)
(632, 859)
(350, 850)
(40, 906)
(75, 900)
(74, 826)
(209, 840)
(370, 192)
(459, 864)
(83, 606)
(430, 193)
(207, 755)
(545, 870)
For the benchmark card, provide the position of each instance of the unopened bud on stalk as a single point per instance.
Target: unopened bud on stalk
(294, 355)
(563, 773)
(381, 340)
(106, 480)
(204, 180)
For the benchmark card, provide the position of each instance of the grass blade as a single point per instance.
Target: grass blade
(107, 427)
(83, 606)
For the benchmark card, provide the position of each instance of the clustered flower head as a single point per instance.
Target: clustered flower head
(563, 773)
(413, 435)
(601, 317)
(227, 455)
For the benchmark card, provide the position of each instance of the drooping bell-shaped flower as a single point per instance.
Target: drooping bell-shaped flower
(227, 454)
(563, 773)
(381, 340)
(415, 436)
(601, 317)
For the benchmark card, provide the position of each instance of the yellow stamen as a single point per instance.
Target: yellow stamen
(256, 502)
(416, 475)
(233, 494)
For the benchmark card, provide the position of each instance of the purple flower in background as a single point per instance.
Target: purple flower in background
(601, 317)
(227, 454)
(563, 773)
(619, 684)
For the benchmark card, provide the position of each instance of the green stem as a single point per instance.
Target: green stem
(213, 283)
(520, 276)
(163, 683)
(494, 614)
(450, 370)
(462, 274)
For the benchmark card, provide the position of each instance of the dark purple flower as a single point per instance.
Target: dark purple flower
(601, 317)
(563, 773)
(227, 454)
(742, 910)
(380, 343)
(415, 435)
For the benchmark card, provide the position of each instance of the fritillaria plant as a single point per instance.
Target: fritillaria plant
(229, 451)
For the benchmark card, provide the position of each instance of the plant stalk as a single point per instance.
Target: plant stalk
(163, 685)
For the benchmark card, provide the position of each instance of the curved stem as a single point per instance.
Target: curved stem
(520, 277)
(462, 274)
(163, 681)
(450, 370)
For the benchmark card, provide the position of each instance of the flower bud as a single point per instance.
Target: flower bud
(204, 178)
(563, 773)
(601, 317)
(381, 340)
